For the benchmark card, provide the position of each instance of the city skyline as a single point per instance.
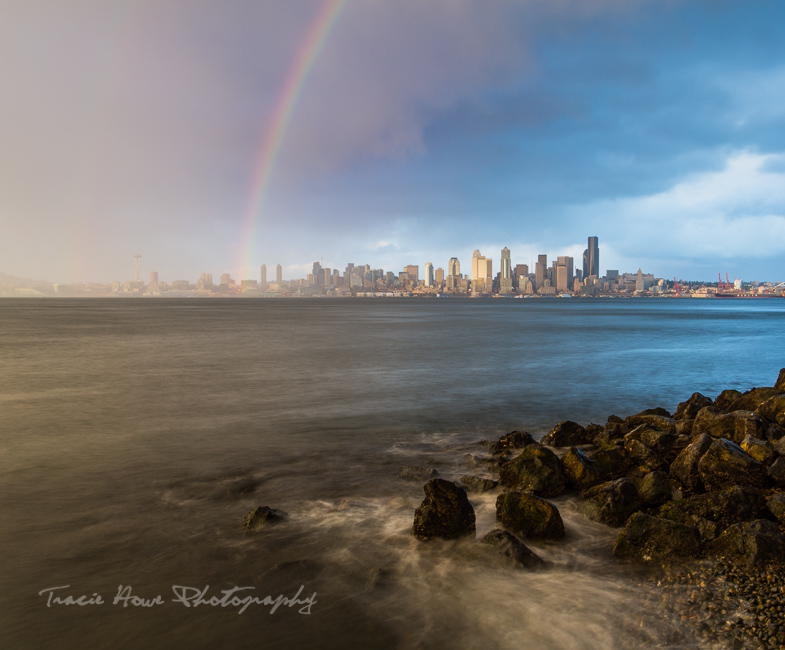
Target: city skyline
(248, 132)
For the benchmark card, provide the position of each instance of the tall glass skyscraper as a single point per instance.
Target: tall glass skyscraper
(591, 258)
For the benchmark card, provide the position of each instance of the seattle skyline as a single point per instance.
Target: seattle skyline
(245, 133)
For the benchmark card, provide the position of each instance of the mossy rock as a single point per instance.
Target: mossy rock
(755, 542)
(529, 516)
(536, 469)
(611, 503)
(650, 540)
(445, 512)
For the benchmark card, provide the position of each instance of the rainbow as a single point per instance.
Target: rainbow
(278, 124)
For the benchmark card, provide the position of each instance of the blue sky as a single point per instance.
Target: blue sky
(424, 130)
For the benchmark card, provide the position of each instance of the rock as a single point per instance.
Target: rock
(417, 473)
(660, 441)
(726, 398)
(536, 469)
(689, 409)
(777, 471)
(754, 542)
(529, 516)
(261, 516)
(580, 472)
(613, 460)
(684, 428)
(611, 503)
(513, 440)
(656, 411)
(776, 505)
(659, 422)
(511, 548)
(773, 410)
(758, 450)
(780, 380)
(642, 454)
(752, 399)
(649, 539)
(591, 431)
(725, 508)
(684, 470)
(477, 484)
(445, 512)
(655, 489)
(725, 464)
(565, 434)
(615, 419)
(733, 426)
(609, 434)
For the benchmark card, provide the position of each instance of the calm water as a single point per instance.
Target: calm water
(136, 434)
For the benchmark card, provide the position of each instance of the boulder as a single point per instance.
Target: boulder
(753, 542)
(655, 489)
(529, 516)
(758, 450)
(641, 454)
(725, 508)
(726, 398)
(777, 471)
(649, 540)
(417, 473)
(509, 547)
(656, 411)
(477, 484)
(773, 410)
(780, 380)
(612, 502)
(445, 512)
(261, 516)
(733, 426)
(684, 470)
(513, 440)
(659, 422)
(565, 434)
(536, 469)
(610, 433)
(591, 431)
(684, 428)
(725, 464)
(776, 505)
(689, 409)
(613, 460)
(752, 399)
(580, 472)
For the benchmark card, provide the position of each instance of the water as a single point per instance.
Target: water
(136, 434)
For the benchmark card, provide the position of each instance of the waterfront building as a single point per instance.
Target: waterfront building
(505, 275)
(540, 272)
(413, 271)
(263, 277)
(591, 258)
(454, 267)
(429, 274)
(279, 274)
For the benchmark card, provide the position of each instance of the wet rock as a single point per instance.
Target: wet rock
(758, 450)
(656, 411)
(513, 440)
(726, 398)
(649, 540)
(445, 512)
(725, 464)
(756, 542)
(609, 435)
(580, 472)
(261, 516)
(642, 454)
(752, 399)
(684, 469)
(536, 469)
(565, 434)
(417, 473)
(477, 484)
(777, 471)
(773, 410)
(776, 505)
(611, 503)
(529, 516)
(655, 489)
(684, 428)
(689, 409)
(613, 460)
(660, 441)
(508, 546)
(725, 508)
(591, 431)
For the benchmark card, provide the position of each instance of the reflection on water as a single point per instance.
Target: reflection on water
(137, 434)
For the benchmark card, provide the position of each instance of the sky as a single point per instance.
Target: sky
(216, 136)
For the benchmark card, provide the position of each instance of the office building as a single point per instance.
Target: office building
(428, 274)
(279, 274)
(505, 275)
(591, 258)
(454, 267)
(263, 277)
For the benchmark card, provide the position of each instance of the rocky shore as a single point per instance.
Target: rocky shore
(698, 496)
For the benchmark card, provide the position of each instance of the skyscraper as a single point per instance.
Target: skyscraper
(482, 273)
(454, 267)
(263, 279)
(414, 272)
(428, 274)
(505, 276)
(540, 271)
(591, 259)
(279, 274)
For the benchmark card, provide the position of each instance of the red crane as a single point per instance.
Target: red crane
(677, 288)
